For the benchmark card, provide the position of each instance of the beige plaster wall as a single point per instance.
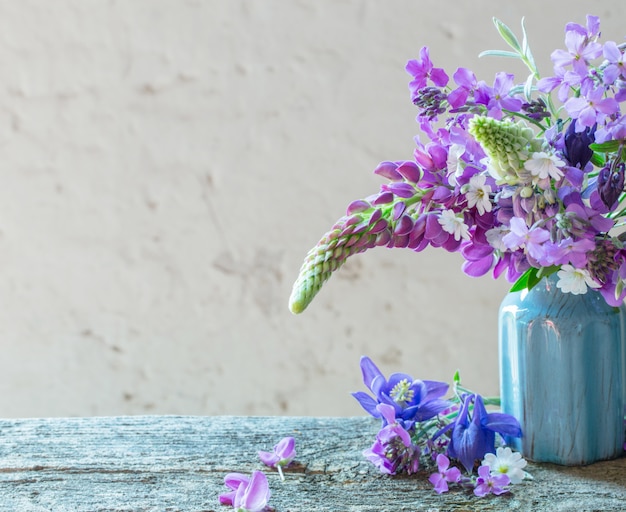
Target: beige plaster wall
(166, 165)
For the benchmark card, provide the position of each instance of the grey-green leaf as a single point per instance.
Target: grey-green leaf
(507, 35)
(499, 53)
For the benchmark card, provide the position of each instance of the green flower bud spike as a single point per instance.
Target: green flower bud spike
(508, 145)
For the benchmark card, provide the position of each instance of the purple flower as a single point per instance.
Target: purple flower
(246, 494)
(529, 238)
(466, 80)
(617, 63)
(486, 483)
(393, 451)
(570, 251)
(592, 109)
(474, 436)
(281, 455)
(579, 52)
(577, 150)
(497, 98)
(421, 70)
(444, 475)
(411, 399)
(611, 184)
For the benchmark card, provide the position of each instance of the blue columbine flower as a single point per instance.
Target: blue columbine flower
(474, 435)
(411, 399)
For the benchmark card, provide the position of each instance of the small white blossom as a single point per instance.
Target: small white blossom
(454, 224)
(478, 194)
(495, 236)
(544, 165)
(454, 163)
(506, 462)
(575, 280)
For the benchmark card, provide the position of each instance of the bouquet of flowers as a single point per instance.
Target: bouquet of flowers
(519, 182)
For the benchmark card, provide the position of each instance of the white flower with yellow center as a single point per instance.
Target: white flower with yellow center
(506, 462)
(575, 280)
(478, 194)
(543, 165)
(454, 224)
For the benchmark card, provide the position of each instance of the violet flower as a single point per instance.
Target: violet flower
(487, 483)
(422, 70)
(281, 455)
(444, 475)
(473, 437)
(411, 399)
(246, 494)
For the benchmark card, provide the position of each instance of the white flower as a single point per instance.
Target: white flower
(478, 194)
(454, 224)
(495, 236)
(454, 163)
(575, 280)
(506, 462)
(544, 165)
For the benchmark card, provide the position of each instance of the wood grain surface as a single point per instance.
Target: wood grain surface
(177, 463)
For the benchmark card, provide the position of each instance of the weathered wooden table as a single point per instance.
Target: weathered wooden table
(177, 463)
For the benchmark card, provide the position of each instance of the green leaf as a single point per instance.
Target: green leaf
(522, 281)
(544, 272)
(457, 377)
(499, 53)
(598, 160)
(606, 147)
(508, 35)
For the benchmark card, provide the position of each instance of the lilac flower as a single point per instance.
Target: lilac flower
(474, 436)
(529, 238)
(246, 494)
(422, 70)
(617, 63)
(412, 400)
(579, 52)
(613, 130)
(466, 80)
(281, 455)
(445, 474)
(569, 251)
(592, 109)
(393, 451)
(497, 98)
(486, 483)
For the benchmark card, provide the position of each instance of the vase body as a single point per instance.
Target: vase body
(562, 361)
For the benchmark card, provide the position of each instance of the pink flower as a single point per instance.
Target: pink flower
(281, 455)
(247, 494)
(487, 483)
(446, 474)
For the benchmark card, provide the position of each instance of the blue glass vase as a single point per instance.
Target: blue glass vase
(562, 362)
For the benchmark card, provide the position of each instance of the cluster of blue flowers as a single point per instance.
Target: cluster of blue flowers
(518, 183)
(420, 427)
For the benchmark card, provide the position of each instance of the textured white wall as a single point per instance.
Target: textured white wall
(166, 165)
